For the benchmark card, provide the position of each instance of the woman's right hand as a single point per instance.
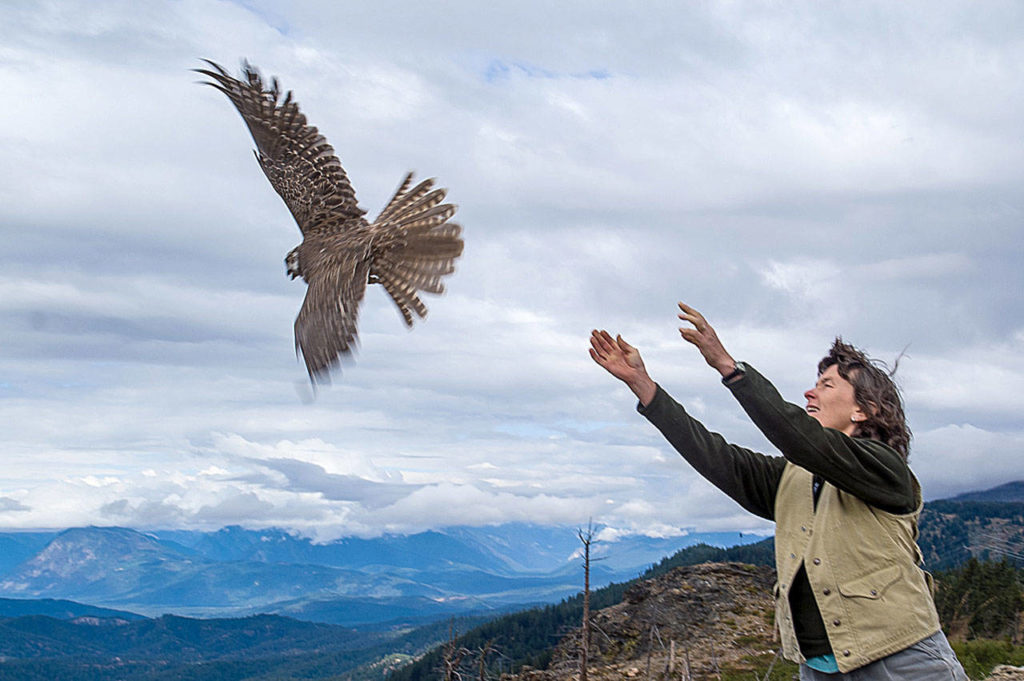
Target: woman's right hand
(622, 361)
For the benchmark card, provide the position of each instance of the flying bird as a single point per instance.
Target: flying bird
(408, 249)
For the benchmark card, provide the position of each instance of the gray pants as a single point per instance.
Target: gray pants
(929, 660)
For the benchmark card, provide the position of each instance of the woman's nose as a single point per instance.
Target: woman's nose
(809, 394)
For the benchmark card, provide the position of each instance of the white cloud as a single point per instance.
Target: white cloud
(962, 457)
(795, 174)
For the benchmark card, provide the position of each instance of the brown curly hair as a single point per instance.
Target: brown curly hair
(875, 393)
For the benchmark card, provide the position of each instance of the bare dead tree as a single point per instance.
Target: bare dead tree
(452, 654)
(482, 666)
(593, 625)
(587, 538)
(655, 634)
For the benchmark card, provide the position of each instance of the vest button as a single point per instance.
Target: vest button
(792, 555)
(827, 591)
(835, 623)
(846, 653)
(816, 561)
(874, 592)
(803, 528)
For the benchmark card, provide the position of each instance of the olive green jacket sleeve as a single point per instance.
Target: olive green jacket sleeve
(749, 478)
(870, 470)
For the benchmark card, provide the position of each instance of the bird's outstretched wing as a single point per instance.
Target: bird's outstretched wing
(295, 157)
(326, 326)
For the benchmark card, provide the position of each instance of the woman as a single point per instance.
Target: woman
(851, 600)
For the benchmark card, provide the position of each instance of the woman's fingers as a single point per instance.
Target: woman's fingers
(689, 310)
(693, 320)
(703, 336)
(602, 344)
(691, 315)
(691, 336)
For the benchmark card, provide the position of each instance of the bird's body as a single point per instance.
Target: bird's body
(407, 249)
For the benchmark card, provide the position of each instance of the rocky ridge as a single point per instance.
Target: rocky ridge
(704, 619)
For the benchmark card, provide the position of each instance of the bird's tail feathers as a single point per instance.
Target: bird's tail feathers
(428, 246)
(404, 197)
(404, 295)
(399, 193)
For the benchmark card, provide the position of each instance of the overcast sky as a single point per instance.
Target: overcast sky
(796, 171)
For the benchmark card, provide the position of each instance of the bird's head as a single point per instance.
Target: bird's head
(291, 262)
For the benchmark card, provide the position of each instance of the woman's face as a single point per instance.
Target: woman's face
(831, 402)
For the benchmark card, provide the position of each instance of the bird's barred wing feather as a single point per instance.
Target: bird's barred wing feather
(425, 245)
(296, 158)
(326, 326)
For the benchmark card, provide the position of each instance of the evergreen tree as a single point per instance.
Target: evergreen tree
(981, 599)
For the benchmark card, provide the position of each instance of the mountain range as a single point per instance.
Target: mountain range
(352, 581)
(1008, 492)
(433, 576)
(397, 579)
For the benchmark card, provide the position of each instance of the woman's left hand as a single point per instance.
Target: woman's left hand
(704, 337)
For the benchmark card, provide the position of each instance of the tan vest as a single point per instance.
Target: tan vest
(862, 564)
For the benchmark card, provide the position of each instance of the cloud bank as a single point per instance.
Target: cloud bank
(796, 173)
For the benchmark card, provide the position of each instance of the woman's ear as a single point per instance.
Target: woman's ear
(859, 416)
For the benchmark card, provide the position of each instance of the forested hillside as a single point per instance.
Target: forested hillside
(267, 647)
(981, 599)
(953, 531)
(528, 638)
(964, 540)
(718, 617)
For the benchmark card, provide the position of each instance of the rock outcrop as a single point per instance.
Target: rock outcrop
(1005, 672)
(703, 619)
